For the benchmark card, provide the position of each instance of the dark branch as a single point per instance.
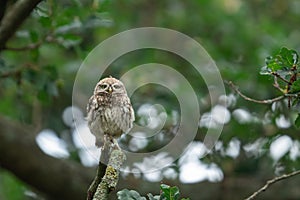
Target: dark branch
(14, 17)
(272, 181)
(280, 77)
(100, 172)
(3, 4)
(59, 179)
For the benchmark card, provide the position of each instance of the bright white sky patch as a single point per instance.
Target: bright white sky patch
(84, 140)
(282, 122)
(214, 173)
(256, 148)
(193, 152)
(196, 171)
(170, 173)
(154, 176)
(295, 150)
(50, 144)
(233, 149)
(152, 166)
(71, 115)
(227, 100)
(139, 141)
(152, 116)
(242, 116)
(280, 147)
(88, 158)
(82, 137)
(219, 115)
(193, 170)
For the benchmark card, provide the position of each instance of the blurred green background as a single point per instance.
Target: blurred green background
(39, 63)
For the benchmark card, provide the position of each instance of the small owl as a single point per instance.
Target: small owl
(109, 111)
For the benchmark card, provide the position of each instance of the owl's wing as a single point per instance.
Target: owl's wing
(95, 128)
(91, 108)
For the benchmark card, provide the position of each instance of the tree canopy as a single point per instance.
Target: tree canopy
(49, 62)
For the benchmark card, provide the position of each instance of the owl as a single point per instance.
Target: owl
(109, 111)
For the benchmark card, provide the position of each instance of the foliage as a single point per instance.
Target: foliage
(167, 193)
(284, 67)
(14, 189)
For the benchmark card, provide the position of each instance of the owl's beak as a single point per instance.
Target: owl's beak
(110, 89)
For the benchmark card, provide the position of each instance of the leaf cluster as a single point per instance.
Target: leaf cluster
(284, 68)
(167, 193)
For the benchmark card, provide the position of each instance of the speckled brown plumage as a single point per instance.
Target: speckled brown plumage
(109, 111)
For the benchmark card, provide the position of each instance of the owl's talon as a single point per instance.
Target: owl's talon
(115, 145)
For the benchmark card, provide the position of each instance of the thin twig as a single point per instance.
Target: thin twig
(272, 181)
(276, 85)
(267, 101)
(280, 77)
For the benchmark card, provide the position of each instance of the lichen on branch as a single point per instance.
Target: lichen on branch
(104, 184)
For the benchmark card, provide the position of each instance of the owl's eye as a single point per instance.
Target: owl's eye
(103, 86)
(117, 86)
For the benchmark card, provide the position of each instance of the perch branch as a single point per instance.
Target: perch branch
(111, 177)
(267, 101)
(104, 183)
(100, 171)
(272, 181)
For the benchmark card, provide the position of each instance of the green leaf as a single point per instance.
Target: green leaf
(42, 9)
(45, 22)
(129, 194)
(34, 36)
(13, 188)
(170, 193)
(297, 121)
(284, 60)
(51, 71)
(273, 63)
(289, 56)
(295, 86)
(151, 197)
(43, 96)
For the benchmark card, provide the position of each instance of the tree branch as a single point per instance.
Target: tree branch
(3, 4)
(100, 171)
(272, 181)
(14, 18)
(59, 179)
(267, 101)
(111, 177)
(104, 183)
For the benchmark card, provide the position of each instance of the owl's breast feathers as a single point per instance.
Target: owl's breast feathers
(111, 115)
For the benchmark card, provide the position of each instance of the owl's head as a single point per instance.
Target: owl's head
(109, 85)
